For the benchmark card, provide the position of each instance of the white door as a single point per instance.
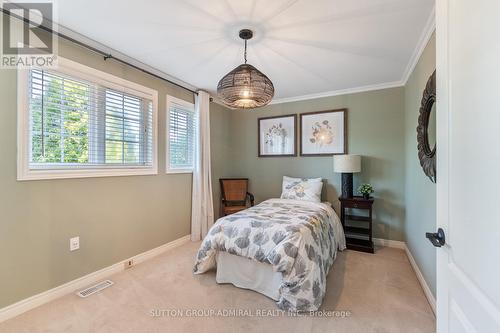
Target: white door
(468, 165)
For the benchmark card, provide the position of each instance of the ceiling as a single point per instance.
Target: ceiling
(307, 48)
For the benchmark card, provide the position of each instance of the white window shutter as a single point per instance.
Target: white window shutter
(182, 127)
(79, 124)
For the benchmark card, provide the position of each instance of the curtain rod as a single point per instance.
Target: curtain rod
(96, 50)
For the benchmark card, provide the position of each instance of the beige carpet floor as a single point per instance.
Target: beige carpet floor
(378, 293)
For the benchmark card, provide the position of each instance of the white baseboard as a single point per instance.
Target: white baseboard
(69, 287)
(420, 277)
(389, 243)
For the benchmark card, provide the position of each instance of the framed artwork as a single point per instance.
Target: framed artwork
(323, 133)
(277, 136)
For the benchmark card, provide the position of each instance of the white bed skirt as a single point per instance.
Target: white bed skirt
(248, 274)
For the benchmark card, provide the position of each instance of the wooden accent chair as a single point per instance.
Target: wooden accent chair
(234, 195)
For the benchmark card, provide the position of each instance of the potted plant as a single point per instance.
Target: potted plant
(365, 190)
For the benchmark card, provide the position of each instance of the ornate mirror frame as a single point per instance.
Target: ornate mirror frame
(426, 154)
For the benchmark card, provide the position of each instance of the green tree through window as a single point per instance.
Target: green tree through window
(60, 119)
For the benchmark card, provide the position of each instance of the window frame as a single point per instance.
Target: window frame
(79, 71)
(174, 100)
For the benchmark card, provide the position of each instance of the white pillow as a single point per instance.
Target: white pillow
(302, 189)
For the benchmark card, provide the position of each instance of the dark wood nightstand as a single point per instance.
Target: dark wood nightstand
(357, 228)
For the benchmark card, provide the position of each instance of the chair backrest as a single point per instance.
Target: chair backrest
(234, 189)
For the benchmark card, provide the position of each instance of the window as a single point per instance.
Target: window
(79, 122)
(181, 135)
(127, 121)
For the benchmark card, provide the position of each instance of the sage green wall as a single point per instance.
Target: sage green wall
(375, 130)
(420, 191)
(118, 217)
(115, 217)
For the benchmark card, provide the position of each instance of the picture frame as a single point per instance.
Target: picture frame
(277, 136)
(323, 133)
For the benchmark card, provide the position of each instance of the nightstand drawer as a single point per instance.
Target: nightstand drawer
(361, 205)
(357, 202)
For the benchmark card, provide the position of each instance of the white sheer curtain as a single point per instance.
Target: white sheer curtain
(202, 213)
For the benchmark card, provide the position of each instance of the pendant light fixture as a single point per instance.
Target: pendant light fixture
(245, 87)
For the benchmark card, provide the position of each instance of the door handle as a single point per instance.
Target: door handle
(437, 239)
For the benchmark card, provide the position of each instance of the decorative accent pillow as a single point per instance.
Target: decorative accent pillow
(302, 189)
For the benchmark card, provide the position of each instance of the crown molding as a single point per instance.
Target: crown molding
(347, 91)
(355, 90)
(425, 36)
(429, 28)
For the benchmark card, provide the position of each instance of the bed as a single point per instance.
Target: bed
(282, 248)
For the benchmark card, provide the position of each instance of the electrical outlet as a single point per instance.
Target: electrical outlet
(129, 263)
(74, 243)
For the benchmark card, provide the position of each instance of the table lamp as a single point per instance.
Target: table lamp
(347, 165)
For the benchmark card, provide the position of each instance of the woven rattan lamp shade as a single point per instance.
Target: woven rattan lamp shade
(245, 87)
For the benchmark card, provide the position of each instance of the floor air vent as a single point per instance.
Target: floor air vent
(95, 288)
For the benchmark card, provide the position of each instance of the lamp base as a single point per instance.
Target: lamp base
(347, 185)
